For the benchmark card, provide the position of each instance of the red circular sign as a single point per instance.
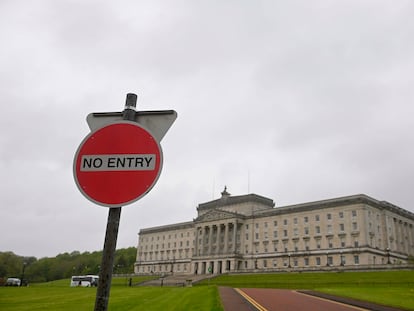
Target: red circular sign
(117, 164)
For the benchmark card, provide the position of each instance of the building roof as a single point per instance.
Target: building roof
(227, 200)
(177, 226)
(212, 208)
(335, 202)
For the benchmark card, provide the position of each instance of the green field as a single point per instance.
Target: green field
(58, 296)
(390, 288)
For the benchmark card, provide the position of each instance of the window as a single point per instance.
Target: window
(354, 213)
(285, 222)
(316, 217)
(265, 224)
(275, 234)
(275, 223)
(247, 236)
(247, 226)
(329, 216)
(330, 244)
(306, 229)
(341, 227)
(295, 232)
(257, 226)
(306, 260)
(305, 219)
(295, 221)
(318, 261)
(341, 214)
(354, 226)
(264, 263)
(356, 259)
(329, 229)
(257, 236)
(318, 230)
(285, 233)
(330, 261)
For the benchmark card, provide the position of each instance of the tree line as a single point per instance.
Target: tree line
(63, 265)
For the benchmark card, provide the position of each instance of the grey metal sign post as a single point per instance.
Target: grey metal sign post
(158, 123)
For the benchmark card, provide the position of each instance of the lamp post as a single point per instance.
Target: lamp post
(388, 255)
(24, 268)
(172, 265)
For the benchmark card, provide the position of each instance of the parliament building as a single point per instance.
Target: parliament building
(247, 233)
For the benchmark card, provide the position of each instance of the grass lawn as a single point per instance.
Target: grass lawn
(395, 296)
(393, 288)
(58, 296)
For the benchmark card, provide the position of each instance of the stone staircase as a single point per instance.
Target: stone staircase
(177, 280)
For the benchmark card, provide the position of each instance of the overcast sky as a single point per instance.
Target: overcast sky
(297, 101)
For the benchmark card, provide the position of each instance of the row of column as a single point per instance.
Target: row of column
(401, 235)
(223, 235)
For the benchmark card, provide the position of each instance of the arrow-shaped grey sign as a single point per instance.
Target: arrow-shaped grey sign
(158, 122)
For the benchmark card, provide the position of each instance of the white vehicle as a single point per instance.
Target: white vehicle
(13, 282)
(84, 280)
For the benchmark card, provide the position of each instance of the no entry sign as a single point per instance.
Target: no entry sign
(117, 164)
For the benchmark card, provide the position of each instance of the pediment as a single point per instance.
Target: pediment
(216, 215)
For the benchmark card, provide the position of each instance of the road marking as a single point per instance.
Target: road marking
(333, 301)
(251, 300)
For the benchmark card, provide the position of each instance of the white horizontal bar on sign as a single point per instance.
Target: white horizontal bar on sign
(117, 162)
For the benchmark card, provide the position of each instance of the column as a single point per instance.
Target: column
(210, 239)
(196, 242)
(226, 238)
(203, 249)
(219, 233)
(234, 236)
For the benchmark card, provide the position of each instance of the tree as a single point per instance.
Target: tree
(63, 265)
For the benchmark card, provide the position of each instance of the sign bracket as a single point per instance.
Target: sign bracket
(112, 228)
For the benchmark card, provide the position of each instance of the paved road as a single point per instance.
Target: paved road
(263, 299)
(288, 300)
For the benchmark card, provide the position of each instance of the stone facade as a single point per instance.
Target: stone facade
(247, 233)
